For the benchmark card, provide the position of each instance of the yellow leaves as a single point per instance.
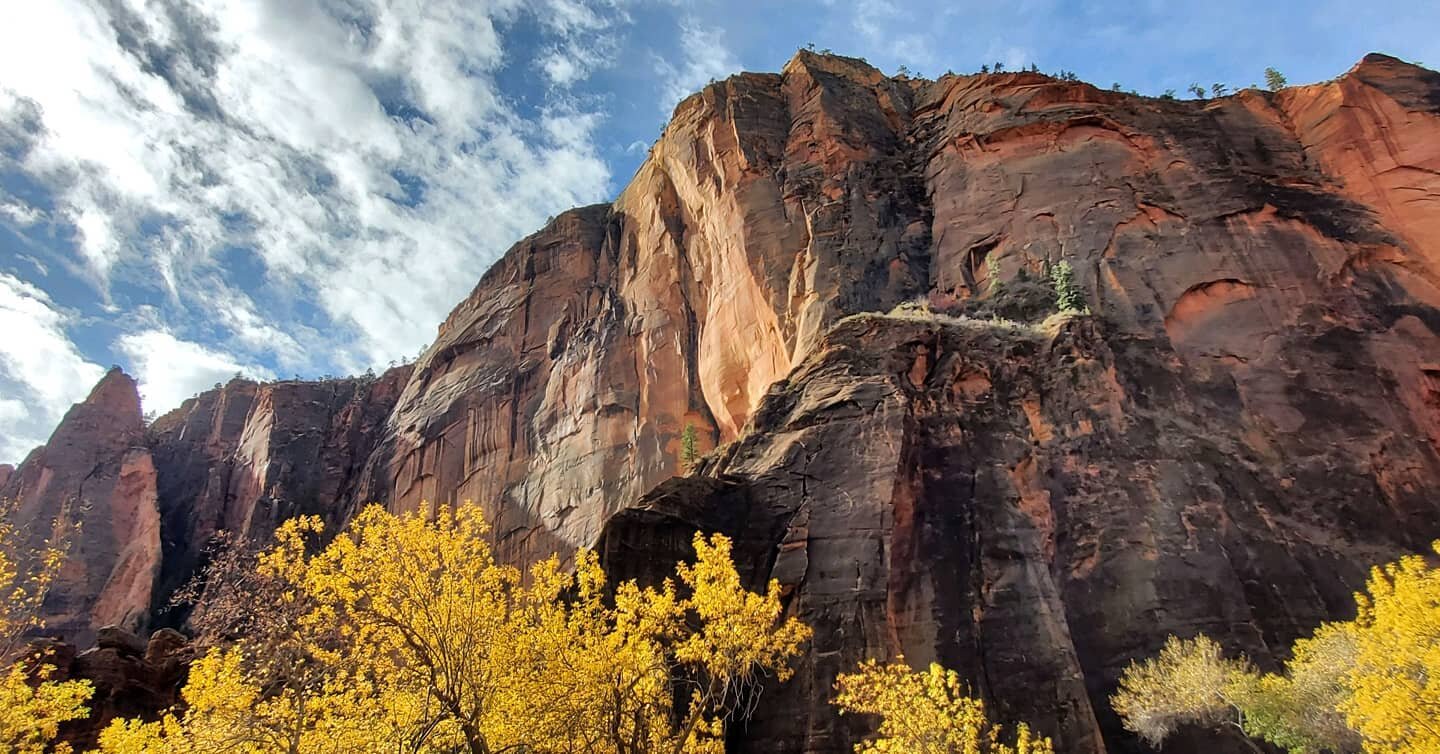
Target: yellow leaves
(26, 574)
(412, 638)
(32, 705)
(926, 712)
(31, 713)
(741, 631)
(1394, 699)
(1372, 683)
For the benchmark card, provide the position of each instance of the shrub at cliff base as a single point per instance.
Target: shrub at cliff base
(1369, 685)
(926, 712)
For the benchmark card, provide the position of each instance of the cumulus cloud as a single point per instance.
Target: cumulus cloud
(170, 370)
(705, 58)
(38, 362)
(360, 152)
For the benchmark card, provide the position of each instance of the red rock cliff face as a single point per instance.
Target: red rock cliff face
(245, 457)
(557, 392)
(96, 474)
(241, 458)
(1248, 417)
(1245, 423)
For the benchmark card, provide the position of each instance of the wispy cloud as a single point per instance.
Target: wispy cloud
(361, 155)
(705, 58)
(41, 370)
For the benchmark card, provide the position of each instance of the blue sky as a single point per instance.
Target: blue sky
(305, 187)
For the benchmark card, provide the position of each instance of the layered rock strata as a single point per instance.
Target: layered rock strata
(1246, 419)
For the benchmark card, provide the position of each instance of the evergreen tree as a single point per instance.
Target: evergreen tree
(1274, 80)
(689, 454)
(1068, 298)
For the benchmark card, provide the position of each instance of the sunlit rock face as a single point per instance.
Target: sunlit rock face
(91, 490)
(1246, 419)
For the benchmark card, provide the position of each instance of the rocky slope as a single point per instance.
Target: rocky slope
(1248, 417)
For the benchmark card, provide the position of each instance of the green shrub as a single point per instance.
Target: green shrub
(1068, 298)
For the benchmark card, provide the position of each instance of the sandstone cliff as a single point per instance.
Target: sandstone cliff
(1246, 422)
(149, 501)
(92, 487)
(1247, 418)
(248, 456)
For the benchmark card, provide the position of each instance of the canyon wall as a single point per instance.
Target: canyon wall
(140, 506)
(1245, 419)
(91, 490)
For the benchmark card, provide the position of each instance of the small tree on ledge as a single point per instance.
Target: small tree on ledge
(689, 454)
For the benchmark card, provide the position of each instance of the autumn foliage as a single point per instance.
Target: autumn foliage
(32, 703)
(1369, 685)
(926, 712)
(406, 636)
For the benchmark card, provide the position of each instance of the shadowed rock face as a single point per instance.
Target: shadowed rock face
(246, 457)
(1033, 507)
(148, 502)
(1249, 418)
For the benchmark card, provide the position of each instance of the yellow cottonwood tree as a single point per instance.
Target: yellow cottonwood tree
(1371, 684)
(411, 638)
(1394, 699)
(32, 706)
(926, 712)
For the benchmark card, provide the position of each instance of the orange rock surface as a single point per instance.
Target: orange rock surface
(1246, 419)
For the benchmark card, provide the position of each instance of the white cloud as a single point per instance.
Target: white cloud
(41, 371)
(584, 39)
(706, 58)
(902, 34)
(361, 150)
(20, 214)
(170, 369)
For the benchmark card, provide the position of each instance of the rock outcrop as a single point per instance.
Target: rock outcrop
(140, 506)
(245, 457)
(132, 677)
(1031, 505)
(1247, 417)
(91, 489)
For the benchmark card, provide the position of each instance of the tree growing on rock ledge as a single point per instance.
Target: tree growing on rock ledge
(689, 450)
(1068, 297)
(1274, 80)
